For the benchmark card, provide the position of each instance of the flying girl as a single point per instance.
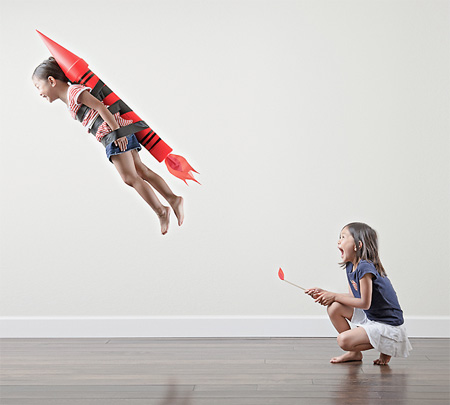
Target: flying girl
(53, 84)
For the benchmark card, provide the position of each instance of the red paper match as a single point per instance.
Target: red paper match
(281, 275)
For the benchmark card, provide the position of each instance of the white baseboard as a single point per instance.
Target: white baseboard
(195, 326)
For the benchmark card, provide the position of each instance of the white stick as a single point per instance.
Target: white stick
(295, 285)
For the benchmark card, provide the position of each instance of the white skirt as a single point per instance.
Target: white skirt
(387, 339)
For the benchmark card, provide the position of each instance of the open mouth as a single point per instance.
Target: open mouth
(342, 252)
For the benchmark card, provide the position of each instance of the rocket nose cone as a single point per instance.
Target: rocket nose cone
(43, 37)
(72, 65)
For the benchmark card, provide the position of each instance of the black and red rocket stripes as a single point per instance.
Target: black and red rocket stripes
(148, 138)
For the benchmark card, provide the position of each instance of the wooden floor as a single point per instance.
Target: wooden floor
(279, 371)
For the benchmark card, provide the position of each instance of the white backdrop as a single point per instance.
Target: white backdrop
(301, 116)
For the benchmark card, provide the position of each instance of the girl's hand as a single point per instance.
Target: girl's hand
(121, 143)
(325, 298)
(313, 292)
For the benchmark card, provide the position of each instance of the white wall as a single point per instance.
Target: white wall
(301, 116)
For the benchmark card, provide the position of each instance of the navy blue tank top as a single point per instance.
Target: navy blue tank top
(384, 307)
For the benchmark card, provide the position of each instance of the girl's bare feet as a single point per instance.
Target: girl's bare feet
(177, 205)
(164, 219)
(349, 356)
(383, 360)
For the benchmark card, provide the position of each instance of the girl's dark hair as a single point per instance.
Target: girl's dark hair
(50, 68)
(369, 244)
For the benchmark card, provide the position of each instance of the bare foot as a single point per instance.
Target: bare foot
(177, 206)
(349, 356)
(164, 219)
(383, 360)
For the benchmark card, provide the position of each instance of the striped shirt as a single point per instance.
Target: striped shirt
(74, 92)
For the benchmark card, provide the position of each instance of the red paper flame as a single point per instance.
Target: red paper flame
(281, 274)
(180, 167)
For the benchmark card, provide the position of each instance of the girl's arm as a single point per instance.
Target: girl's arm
(89, 100)
(314, 292)
(365, 284)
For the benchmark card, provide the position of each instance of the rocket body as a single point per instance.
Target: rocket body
(78, 72)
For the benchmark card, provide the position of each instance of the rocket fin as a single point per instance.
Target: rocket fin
(179, 167)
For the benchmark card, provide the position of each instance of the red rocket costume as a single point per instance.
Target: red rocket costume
(78, 72)
(91, 118)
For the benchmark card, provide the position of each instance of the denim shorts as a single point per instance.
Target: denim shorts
(112, 149)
